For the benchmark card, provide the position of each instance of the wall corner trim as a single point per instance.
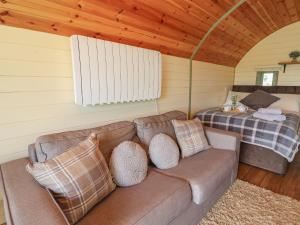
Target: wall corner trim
(199, 45)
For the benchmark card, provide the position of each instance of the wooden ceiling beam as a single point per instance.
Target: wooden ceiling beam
(130, 18)
(292, 9)
(272, 10)
(106, 16)
(262, 13)
(156, 13)
(21, 21)
(170, 26)
(217, 10)
(255, 19)
(99, 25)
(297, 5)
(282, 11)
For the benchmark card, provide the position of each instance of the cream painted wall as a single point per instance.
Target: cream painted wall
(268, 53)
(211, 83)
(36, 90)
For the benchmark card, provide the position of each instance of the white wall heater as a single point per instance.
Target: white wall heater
(105, 72)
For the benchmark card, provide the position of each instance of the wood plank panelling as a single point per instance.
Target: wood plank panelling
(36, 90)
(211, 84)
(172, 27)
(268, 53)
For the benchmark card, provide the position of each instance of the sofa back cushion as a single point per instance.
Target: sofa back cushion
(147, 127)
(109, 136)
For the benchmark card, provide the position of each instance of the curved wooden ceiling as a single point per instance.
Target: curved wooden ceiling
(171, 26)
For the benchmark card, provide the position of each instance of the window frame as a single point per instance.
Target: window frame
(260, 75)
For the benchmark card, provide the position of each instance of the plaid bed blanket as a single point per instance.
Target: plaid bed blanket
(281, 137)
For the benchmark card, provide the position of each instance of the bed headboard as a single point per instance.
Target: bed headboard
(269, 89)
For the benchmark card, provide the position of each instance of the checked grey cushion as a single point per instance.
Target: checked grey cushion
(190, 136)
(79, 178)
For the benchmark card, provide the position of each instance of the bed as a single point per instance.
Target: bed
(265, 144)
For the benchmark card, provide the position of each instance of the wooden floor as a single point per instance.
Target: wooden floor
(288, 185)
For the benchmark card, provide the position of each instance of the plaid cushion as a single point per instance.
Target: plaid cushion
(79, 178)
(190, 136)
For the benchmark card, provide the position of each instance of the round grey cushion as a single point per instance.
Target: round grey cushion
(128, 164)
(163, 151)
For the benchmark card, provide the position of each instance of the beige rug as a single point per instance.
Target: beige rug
(247, 204)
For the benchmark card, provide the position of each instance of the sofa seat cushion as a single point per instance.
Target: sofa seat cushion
(157, 200)
(204, 171)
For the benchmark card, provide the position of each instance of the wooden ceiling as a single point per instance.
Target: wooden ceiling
(171, 26)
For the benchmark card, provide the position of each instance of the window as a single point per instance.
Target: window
(267, 78)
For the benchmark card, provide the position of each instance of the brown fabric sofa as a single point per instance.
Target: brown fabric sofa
(164, 197)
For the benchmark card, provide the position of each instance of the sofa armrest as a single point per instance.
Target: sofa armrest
(25, 201)
(225, 140)
(221, 139)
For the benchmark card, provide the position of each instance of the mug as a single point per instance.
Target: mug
(226, 108)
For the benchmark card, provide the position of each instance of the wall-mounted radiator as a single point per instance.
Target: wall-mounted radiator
(105, 72)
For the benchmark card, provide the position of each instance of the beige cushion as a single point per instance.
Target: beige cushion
(148, 127)
(109, 136)
(241, 107)
(240, 96)
(190, 136)
(128, 164)
(287, 102)
(79, 178)
(163, 151)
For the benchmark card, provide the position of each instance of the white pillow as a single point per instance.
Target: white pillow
(163, 151)
(287, 102)
(240, 96)
(128, 164)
